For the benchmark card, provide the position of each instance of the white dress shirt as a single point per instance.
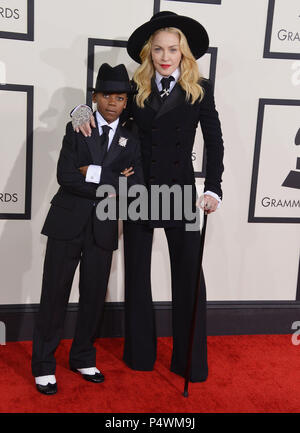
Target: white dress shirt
(93, 173)
(158, 78)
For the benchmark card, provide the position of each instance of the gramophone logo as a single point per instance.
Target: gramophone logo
(16, 19)
(275, 188)
(293, 178)
(282, 38)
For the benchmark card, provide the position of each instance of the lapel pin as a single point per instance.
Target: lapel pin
(123, 141)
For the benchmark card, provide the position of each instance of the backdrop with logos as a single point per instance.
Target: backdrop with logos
(50, 55)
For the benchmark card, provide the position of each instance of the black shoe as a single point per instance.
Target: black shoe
(95, 378)
(49, 389)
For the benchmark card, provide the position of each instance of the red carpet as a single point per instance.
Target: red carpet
(257, 374)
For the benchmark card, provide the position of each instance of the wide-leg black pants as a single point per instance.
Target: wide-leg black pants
(140, 329)
(61, 261)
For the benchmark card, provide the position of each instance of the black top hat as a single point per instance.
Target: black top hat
(112, 80)
(195, 33)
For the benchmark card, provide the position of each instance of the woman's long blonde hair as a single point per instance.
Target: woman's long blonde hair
(189, 73)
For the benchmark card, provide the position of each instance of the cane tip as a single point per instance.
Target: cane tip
(185, 394)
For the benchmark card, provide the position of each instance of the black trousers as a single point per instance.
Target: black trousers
(61, 261)
(140, 329)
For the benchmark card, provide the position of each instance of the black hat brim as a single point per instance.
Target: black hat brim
(100, 90)
(194, 32)
(113, 87)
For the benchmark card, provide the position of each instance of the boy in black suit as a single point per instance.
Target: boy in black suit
(76, 235)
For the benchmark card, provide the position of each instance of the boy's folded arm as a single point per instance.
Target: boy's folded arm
(68, 174)
(110, 177)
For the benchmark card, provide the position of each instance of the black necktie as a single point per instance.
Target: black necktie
(104, 142)
(165, 82)
(104, 137)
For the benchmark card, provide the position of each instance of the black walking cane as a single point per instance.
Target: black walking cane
(192, 332)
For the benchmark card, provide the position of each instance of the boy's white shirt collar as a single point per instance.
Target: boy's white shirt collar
(158, 76)
(101, 122)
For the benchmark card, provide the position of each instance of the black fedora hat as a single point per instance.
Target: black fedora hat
(112, 80)
(195, 33)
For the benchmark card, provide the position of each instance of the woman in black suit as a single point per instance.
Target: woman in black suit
(170, 102)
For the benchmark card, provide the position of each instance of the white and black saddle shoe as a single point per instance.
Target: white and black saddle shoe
(46, 384)
(90, 374)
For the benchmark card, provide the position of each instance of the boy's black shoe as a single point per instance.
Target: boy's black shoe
(95, 378)
(49, 389)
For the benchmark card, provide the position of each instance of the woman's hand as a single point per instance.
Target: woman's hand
(83, 120)
(86, 128)
(207, 203)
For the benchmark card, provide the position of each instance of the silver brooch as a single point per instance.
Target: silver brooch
(123, 141)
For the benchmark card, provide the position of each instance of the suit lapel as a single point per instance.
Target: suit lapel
(154, 101)
(175, 98)
(97, 150)
(115, 148)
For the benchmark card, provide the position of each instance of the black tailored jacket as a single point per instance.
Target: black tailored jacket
(76, 199)
(167, 129)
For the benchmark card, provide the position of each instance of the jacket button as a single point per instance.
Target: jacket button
(176, 163)
(152, 179)
(154, 144)
(177, 144)
(153, 161)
